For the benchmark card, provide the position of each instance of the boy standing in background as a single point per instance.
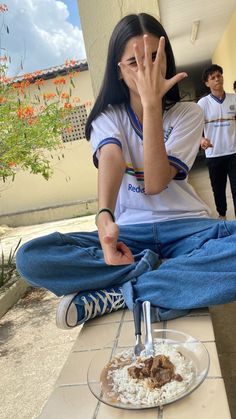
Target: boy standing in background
(219, 140)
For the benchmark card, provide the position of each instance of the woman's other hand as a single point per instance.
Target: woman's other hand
(115, 253)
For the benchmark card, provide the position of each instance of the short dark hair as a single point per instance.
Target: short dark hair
(234, 85)
(210, 70)
(113, 90)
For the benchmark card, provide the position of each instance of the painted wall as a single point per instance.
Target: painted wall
(225, 54)
(74, 178)
(97, 25)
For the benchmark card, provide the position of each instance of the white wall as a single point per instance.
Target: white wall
(225, 54)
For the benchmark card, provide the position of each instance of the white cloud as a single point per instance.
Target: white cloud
(41, 34)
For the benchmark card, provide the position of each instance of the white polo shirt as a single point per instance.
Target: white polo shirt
(220, 124)
(183, 125)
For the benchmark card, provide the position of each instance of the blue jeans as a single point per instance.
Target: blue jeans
(199, 268)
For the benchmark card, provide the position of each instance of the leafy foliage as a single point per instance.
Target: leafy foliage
(7, 265)
(30, 124)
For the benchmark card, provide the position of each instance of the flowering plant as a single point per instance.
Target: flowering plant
(30, 124)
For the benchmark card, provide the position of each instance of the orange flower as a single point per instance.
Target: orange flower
(3, 58)
(39, 82)
(76, 99)
(67, 105)
(65, 96)
(2, 99)
(32, 121)
(28, 76)
(21, 85)
(62, 80)
(25, 112)
(25, 83)
(48, 96)
(16, 85)
(73, 74)
(70, 62)
(11, 164)
(5, 80)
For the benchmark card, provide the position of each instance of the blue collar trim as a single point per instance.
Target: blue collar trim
(217, 99)
(134, 121)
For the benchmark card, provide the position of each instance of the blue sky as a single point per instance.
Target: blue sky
(72, 7)
(43, 34)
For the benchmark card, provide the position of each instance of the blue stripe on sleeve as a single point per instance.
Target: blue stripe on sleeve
(180, 166)
(108, 140)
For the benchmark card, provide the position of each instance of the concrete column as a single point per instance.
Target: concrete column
(98, 18)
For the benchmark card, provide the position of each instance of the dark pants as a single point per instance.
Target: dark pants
(219, 168)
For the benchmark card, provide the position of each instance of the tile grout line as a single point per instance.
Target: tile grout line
(96, 411)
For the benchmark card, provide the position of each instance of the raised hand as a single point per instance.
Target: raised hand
(148, 70)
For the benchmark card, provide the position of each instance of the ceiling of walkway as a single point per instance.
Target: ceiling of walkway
(177, 17)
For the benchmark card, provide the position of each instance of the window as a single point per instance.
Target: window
(76, 129)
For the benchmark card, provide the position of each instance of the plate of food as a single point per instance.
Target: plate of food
(120, 379)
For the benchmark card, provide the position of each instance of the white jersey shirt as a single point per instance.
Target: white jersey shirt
(183, 125)
(220, 124)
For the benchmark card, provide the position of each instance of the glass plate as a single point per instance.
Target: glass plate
(192, 349)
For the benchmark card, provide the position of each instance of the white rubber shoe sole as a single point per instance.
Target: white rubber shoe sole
(66, 315)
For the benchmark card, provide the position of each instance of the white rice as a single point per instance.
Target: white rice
(126, 389)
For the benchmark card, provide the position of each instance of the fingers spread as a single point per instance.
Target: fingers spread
(147, 51)
(160, 50)
(138, 57)
(176, 79)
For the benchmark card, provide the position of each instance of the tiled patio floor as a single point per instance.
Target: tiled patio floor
(72, 399)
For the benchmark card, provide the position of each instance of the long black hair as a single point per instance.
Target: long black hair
(113, 90)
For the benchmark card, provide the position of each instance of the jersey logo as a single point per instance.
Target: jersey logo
(136, 189)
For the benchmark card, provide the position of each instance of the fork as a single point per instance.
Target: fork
(147, 327)
(139, 347)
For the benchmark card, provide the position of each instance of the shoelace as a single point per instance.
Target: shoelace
(93, 309)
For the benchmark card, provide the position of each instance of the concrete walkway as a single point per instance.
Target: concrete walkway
(33, 352)
(32, 349)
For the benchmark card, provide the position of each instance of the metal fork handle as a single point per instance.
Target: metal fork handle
(147, 325)
(137, 318)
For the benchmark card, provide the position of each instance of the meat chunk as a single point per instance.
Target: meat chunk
(159, 371)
